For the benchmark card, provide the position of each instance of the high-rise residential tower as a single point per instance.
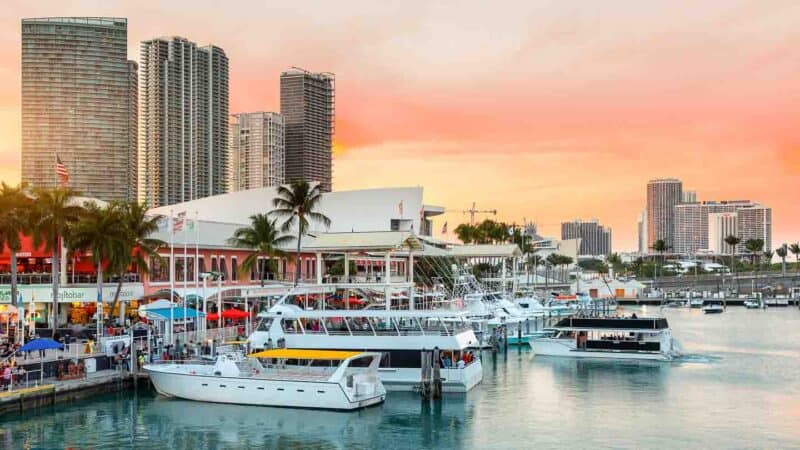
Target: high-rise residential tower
(183, 123)
(720, 226)
(641, 228)
(662, 196)
(595, 238)
(754, 222)
(693, 227)
(307, 104)
(257, 150)
(79, 104)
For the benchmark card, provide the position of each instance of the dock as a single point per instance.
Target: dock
(52, 391)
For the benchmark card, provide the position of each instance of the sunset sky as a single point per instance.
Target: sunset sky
(547, 111)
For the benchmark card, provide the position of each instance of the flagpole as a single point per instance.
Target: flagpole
(197, 272)
(185, 272)
(171, 278)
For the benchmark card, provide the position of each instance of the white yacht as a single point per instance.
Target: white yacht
(608, 337)
(280, 377)
(400, 335)
(713, 307)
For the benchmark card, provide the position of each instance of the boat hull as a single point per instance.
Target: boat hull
(454, 380)
(563, 348)
(260, 392)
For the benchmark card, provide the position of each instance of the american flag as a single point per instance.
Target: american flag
(177, 222)
(61, 172)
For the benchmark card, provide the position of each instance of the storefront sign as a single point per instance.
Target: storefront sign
(44, 293)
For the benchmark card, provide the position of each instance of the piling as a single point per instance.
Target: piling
(505, 337)
(425, 384)
(437, 376)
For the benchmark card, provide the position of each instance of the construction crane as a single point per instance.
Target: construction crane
(472, 211)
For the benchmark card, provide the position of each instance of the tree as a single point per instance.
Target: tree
(466, 233)
(616, 262)
(782, 251)
(138, 246)
(659, 246)
(795, 249)
(99, 230)
(263, 238)
(733, 241)
(14, 214)
(297, 203)
(54, 211)
(754, 246)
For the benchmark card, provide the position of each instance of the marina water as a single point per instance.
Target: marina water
(737, 387)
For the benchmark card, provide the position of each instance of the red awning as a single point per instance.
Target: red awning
(212, 316)
(234, 313)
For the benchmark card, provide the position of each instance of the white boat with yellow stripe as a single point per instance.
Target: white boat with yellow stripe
(295, 378)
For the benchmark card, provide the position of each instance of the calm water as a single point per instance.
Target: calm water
(738, 388)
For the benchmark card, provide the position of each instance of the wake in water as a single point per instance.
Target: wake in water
(696, 358)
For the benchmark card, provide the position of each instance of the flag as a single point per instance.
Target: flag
(61, 172)
(178, 221)
(400, 208)
(444, 228)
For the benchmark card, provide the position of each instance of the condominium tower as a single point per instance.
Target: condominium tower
(692, 223)
(257, 150)
(307, 104)
(79, 105)
(595, 238)
(662, 196)
(183, 141)
(754, 222)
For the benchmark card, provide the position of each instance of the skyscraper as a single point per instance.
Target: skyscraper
(79, 103)
(257, 150)
(720, 226)
(692, 226)
(307, 104)
(183, 140)
(595, 238)
(662, 196)
(641, 228)
(754, 222)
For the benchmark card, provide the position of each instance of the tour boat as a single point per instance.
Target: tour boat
(337, 380)
(400, 335)
(713, 307)
(608, 337)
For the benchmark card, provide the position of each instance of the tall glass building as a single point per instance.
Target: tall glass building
(79, 103)
(183, 131)
(257, 151)
(307, 105)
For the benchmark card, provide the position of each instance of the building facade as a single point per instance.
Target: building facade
(692, 228)
(641, 228)
(183, 123)
(257, 151)
(595, 238)
(307, 104)
(754, 222)
(662, 196)
(720, 226)
(79, 104)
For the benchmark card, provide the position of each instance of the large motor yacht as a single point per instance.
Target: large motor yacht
(608, 337)
(400, 335)
(279, 377)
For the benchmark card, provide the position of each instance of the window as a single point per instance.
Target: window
(202, 264)
(265, 324)
(214, 267)
(159, 268)
(234, 269)
(223, 268)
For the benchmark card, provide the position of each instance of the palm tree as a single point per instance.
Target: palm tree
(732, 242)
(782, 251)
(138, 246)
(534, 260)
(659, 246)
(14, 208)
(754, 246)
(297, 203)
(795, 249)
(616, 262)
(100, 231)
(53, 212)
(263, 237)
(465, 233)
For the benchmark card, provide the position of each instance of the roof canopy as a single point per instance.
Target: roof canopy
(290, 353)
(486, 250)
(363, 241)
(177, 313)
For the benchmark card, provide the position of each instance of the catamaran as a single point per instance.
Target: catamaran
(400, 335)
(608, 337)
(280, 377)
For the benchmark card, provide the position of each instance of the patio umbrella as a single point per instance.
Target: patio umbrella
(234, 313)
(212, 316)
(41, 344)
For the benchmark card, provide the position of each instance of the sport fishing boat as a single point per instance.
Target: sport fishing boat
(754, 303)
(400, 335)
(280, 377)
(608, 337)
(713, 307)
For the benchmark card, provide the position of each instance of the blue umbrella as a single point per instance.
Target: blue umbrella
(41, 344)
